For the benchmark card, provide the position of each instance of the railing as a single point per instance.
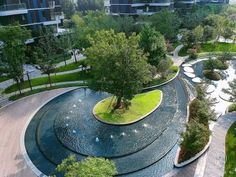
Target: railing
(13, 7)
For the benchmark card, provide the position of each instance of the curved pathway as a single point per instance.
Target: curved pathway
(215, 160)
(12, 121)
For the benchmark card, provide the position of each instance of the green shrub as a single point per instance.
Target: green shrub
(174, 69)
(192, 54)
(232, 107)
(221, 65)
(200, 112)
(90, 166)
(194, 140)
(212, 75)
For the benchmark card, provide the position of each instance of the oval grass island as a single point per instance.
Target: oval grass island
(141, 106)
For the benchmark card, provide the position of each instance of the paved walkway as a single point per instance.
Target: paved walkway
(44, 86)
(215, 161)
(176, 58)
(36, 73)
(12, 121)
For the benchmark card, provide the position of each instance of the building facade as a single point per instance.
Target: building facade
(148, 7)
(30, 13)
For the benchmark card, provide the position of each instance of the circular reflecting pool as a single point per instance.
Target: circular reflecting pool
(67, 126)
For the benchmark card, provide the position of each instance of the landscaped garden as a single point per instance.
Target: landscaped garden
(78, 76)
(113, 116)
(197, 133)
(141, 105)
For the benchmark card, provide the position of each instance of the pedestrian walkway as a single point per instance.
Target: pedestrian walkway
(36, 73)
(176, 58)
(215, 161)
(13, 119)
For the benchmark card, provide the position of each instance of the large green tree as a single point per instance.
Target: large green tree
(90, 166)
(63, 44)
(167, 22)
(85, 5)
(46, 53)
(119, 66)
(68, 7)
(154, 44)
(12, 54)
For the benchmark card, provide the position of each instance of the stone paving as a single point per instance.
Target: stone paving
(215, 161)
(12, 121)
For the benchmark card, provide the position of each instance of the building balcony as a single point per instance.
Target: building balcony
(13, 9)
(186, 1)
(139, 3)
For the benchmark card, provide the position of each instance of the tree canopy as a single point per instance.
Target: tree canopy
(167, 23)
(154, 45)
(90, 166)
(119, 66)
(12, 54)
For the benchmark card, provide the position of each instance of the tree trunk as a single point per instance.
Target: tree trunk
(49, 80)
(18, 86)
(64, 57)
(74, 55)
(118, 103)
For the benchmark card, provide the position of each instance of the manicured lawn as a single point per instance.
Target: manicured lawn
(141, 105)
(55, 78)
(218, 47)
(16, 97)
(230, 146)
(69, 67)
(3, 78)
(211, 47)
(173, 71)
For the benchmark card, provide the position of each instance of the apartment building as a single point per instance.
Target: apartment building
(148, 7)
(30, 13)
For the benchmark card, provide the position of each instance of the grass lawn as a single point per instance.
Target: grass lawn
(230, 146)
(69, 67)
(3, 78)
(16, 97)
(218, 47)
(55, 78)
(211, 47)
(141, 105)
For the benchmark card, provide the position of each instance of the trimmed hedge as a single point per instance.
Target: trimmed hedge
(232, 107)
(212, 75)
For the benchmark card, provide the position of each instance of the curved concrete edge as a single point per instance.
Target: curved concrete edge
(128, 123)
(164, 83)
(73, 87)
(22, 138)
(182, 164)
(230, 101)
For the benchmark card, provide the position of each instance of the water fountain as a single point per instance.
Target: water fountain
(86, 136)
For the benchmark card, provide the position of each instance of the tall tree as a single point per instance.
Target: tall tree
(63, 44)
(46, 53)
(167, 23)
(68, 7)
(218, 22)
(119, 66)
(12, 54)
(85, 5)
(90, 166)
(154, 44)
